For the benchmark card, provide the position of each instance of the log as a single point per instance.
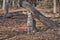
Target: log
(46, 21)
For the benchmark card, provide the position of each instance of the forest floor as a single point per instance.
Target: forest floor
(46, 12)
(14, 27)
(23, 9)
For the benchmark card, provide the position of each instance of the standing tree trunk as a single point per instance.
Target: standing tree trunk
(54, 6)
(13, 4)
(5, 6)
(18, 5)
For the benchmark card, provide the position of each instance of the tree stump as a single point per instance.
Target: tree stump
(31, 24)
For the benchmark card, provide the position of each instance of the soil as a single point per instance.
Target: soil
(14, 28)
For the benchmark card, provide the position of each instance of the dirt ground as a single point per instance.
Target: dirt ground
(14, 28)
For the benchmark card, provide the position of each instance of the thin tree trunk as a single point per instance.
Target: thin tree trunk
(13, 4)
(54, 6)
(5, 6)
(18, 3)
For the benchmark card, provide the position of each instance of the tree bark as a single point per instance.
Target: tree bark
(13, 4)
(18, 5)
(5, 6)
(31, 24)
(46, 21)
(54, 6)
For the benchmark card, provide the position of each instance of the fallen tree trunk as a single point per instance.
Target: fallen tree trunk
(46, 21)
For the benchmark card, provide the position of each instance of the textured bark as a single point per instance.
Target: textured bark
(5, 6)
(54, 6)
(31, 24)
(18, 5)
(39, 15)
(13, 4)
